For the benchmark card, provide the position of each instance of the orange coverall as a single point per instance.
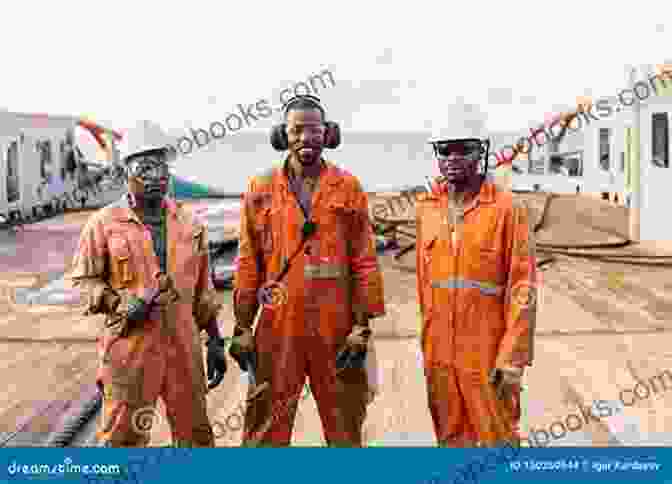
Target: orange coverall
(476, 274)
(162, 356)
(332, 280)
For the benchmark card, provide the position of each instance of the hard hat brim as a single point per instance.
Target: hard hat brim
(167, 151)
(453, 140)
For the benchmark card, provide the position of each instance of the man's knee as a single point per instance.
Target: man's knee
(203, 436)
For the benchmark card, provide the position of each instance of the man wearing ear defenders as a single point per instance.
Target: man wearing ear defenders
(305, 232)
(144, 262)
(476, 274)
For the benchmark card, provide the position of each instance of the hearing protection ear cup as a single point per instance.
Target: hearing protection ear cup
(279, 137)
(332, 137)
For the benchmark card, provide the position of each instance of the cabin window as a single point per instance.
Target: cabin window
(660, 143)
(44, 150)
(13, 172)
(605, 145)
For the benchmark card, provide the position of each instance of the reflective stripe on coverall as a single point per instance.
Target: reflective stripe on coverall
(332, 280)
(476, 271)
(162, 356)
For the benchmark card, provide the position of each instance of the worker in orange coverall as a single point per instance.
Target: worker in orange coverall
(476, 286)
(318, 323)
(144, 263)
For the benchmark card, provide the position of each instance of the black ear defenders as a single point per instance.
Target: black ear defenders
(332, 136)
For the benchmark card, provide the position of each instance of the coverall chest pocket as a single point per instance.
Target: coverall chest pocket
(339, 219)
(428, 261)
(197, 248)
(264, 230)
(121, 270)
(487, 266)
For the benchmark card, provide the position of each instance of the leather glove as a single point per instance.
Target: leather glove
(353, 352)
(168, 294)
(505, 381)
(242, 348)
(102, 300)
(216, 360)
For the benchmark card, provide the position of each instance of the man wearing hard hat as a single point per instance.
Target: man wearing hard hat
(144, 263)
(476, 273)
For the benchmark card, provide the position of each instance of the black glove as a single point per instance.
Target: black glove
(353, 353)
(138, 309)
(242, 349)
(505, 381)
(216, 359)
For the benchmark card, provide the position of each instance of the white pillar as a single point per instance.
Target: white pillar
(636, 197)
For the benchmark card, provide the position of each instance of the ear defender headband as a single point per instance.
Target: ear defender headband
(332, 135)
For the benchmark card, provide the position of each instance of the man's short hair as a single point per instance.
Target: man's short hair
(304, 104)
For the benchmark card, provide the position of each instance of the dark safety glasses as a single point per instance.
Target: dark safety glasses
(148, 168)
(465, 148)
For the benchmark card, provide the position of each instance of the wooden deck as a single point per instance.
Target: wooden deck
(602, 328)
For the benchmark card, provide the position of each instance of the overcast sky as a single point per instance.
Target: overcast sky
(397, 65)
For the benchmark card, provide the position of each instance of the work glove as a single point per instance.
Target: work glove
(102, 300)
(242, 349)
(138, 309)
(216, 360)
(505, 381)
(353, 353)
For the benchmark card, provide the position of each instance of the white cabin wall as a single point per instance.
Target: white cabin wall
(4, 145)
(656, 181)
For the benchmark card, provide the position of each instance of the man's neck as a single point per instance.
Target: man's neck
(465, 191)
(147, 207)
(299, 170)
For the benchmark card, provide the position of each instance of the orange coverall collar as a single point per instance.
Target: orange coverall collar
(485, 195)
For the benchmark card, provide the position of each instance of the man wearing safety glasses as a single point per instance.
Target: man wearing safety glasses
(144, 263)
(476, 273)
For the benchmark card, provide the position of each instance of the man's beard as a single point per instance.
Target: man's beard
(309, 156)
(151, 197)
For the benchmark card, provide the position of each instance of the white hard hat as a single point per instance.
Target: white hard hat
(135, 143)
(461, 122)
(167, 149)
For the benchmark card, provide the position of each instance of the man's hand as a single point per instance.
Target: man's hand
(242, 348)
(505, 381)
(353, 353)
(216, 360)
(102, 300)
(138, 309)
